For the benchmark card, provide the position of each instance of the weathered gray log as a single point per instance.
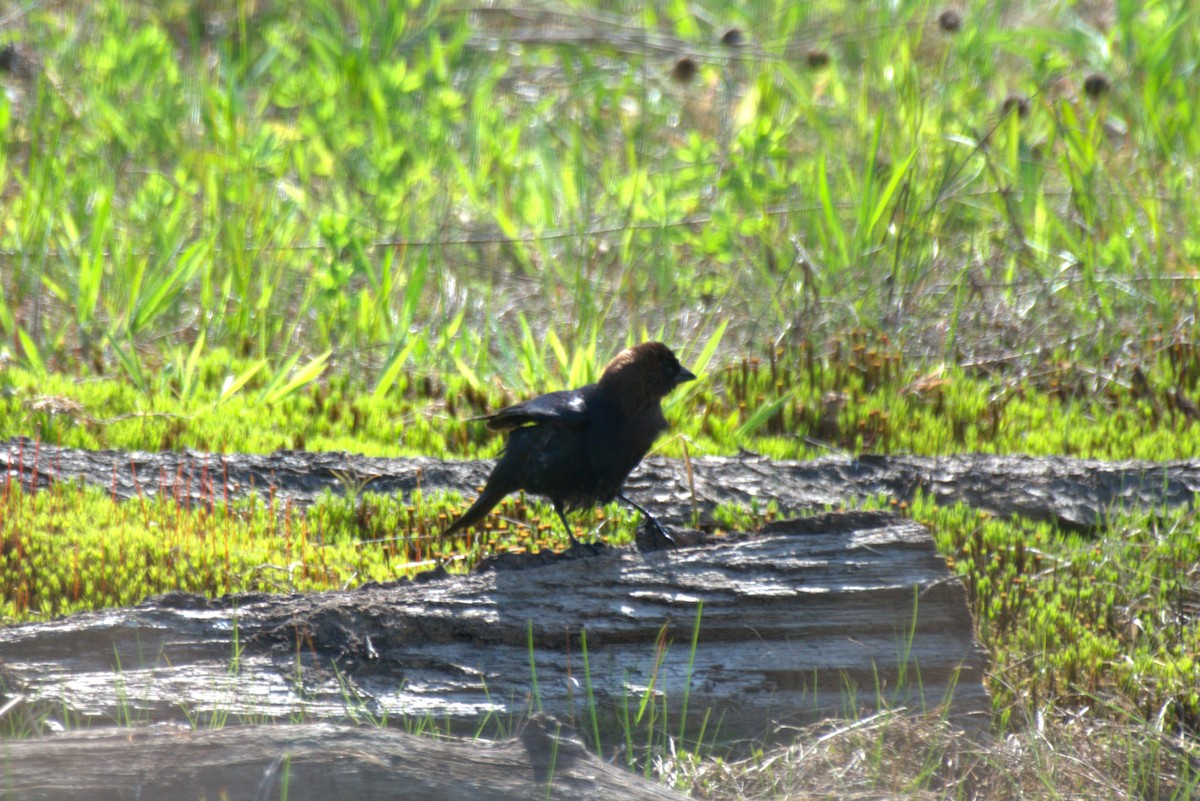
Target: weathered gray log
(1078, 493)
(811, 618)
(310, 761)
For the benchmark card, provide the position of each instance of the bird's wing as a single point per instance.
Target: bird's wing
(567, 407)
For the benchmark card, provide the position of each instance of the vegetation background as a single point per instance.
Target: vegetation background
(873, 226)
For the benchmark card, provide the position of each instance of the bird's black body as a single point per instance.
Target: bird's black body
(577, 447)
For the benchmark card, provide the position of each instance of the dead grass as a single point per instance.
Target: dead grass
(897, 755)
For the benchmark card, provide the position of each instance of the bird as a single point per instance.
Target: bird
(576, 447)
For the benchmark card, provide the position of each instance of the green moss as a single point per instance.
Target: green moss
(1077, 621)
(71, 548)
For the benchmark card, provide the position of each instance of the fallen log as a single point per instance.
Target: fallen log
(1076, 493)
(826, 616)
(311, 761)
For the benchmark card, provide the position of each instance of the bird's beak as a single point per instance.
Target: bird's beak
(684, 375)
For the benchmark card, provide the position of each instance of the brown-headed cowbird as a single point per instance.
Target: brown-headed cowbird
(577, 446)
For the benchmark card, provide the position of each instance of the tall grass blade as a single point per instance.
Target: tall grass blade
(233, 384)
(834, 225)
(587, 681)
(392, 370)
(309, 373)
(687, 679)
(128, 361)
(187, 382)
(163, 293)
(33, 357)
(91, 267)
(889, 191)
(533, 680)
(761, 415)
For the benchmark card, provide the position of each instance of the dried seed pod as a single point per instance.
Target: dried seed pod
(816, 58)
(1016, 102)
(733, 37)
(1096, 85)
(685, 70)
(950, 20)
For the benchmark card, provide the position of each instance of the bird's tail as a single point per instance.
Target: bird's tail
(486, 501)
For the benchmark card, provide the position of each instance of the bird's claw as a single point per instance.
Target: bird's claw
(654, 537)
(662, 532)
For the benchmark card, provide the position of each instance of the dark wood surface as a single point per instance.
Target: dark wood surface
(825, 616)
(1077, 493)
(312, 762)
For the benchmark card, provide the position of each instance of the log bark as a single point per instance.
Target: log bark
(826, 616)
(1076, 493)
(311, 761)
(811, 618)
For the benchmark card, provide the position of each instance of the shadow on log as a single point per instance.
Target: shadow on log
(824, 616)
(312, 761)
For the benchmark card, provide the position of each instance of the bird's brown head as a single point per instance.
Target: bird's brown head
(649, 370)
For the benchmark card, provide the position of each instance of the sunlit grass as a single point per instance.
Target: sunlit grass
(786, 404)
(359, 189)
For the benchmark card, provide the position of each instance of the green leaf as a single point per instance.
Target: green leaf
(91, 266)
(129, 362)
(32, 357)
(6, 319)
(700, 364)
(413, 289)
(392, 370)
(831, 217)
(309, 373)
(233, 385)
(163, 293)
(560, 352)
(889, 191)
(187, 382)
(467, 373)
(761, 415)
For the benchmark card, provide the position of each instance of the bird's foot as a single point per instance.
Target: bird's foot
(652, 536)
(662, 532)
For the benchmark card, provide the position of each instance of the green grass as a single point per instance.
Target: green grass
(348, 226)
(467, 192)
(788, 404)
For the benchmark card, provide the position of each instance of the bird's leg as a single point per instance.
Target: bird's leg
(563, 517)
(649, 518)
